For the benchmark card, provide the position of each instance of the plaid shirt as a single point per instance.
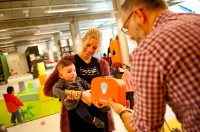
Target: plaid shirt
(166, 70)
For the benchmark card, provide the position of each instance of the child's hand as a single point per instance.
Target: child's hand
(67, 98)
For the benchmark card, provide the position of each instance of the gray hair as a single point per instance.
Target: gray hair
(147, 4)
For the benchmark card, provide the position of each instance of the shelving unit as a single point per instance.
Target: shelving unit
(2, 79)
(33, 57)
(66, 49)
(55, 55)
(45, 57)
(4, 72)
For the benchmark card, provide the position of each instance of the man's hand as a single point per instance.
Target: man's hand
(97, 104)
(116, 106)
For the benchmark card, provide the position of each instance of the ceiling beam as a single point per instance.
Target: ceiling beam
(50, 6)
(29, 23)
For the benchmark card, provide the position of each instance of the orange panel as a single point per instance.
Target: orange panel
(103, 88)
(42, 79)
(115, 51)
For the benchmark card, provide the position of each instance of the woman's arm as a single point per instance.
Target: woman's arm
(105, 68)
(58, 89)
(50, 83)
(85, 96)
(54, 77)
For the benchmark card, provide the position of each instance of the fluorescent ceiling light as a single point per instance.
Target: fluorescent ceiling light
(5, 37)
(4, 46)
(39, 41)
(66, 10)
(7, 42)
(3, 30)
(46, 33)
(5, 53)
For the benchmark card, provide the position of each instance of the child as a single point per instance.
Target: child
(13, 103)
(69, 80)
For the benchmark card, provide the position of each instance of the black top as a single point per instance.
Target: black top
(87, 71)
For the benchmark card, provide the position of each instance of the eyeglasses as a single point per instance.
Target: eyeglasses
(125, 30)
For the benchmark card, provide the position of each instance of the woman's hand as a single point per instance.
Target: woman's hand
(97, 104)
(86, 97)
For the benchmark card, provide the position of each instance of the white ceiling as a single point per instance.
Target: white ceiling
(21, 19)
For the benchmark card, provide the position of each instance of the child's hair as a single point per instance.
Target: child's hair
(10, 89)
(63, 63)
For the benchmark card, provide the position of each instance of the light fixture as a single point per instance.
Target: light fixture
(6, 42)
(26, 12)
(46, 33)
(5, 53)
(5, 37)
(66, 10)
(7, 45)
(1, 14)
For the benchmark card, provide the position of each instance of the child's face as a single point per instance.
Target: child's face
(68, 73)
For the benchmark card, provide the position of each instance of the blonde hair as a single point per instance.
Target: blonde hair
(93, 33)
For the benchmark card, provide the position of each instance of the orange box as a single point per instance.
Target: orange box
(42, 79)
(102, 88)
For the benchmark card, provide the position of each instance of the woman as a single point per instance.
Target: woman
(87, 67)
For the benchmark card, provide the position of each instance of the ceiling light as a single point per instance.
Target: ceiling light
(7, 45)
(7, 42)
(66, 10)
(5, 53)
(26, 12)
(38, 41)
(3, 30)
(46, 33)
(5, 37)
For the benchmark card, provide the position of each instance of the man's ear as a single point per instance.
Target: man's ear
(139, 16)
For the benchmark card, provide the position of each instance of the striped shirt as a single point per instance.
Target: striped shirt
(166, 70)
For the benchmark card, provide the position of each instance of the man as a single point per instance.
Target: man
(165, 66)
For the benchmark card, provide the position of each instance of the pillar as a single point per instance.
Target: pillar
(57, 43)
(75, 35)
(50, 51)
(122, 37)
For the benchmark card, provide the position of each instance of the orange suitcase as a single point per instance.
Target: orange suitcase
(102, 88)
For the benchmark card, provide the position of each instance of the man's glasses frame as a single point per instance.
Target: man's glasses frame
(123, 29)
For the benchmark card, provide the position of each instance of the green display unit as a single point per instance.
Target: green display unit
(4, 70)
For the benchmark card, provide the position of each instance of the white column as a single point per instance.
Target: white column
(75, 35)
(122, 37)
(50, 51)
(57, 43)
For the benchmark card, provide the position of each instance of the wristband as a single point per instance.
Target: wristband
(123, 111)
